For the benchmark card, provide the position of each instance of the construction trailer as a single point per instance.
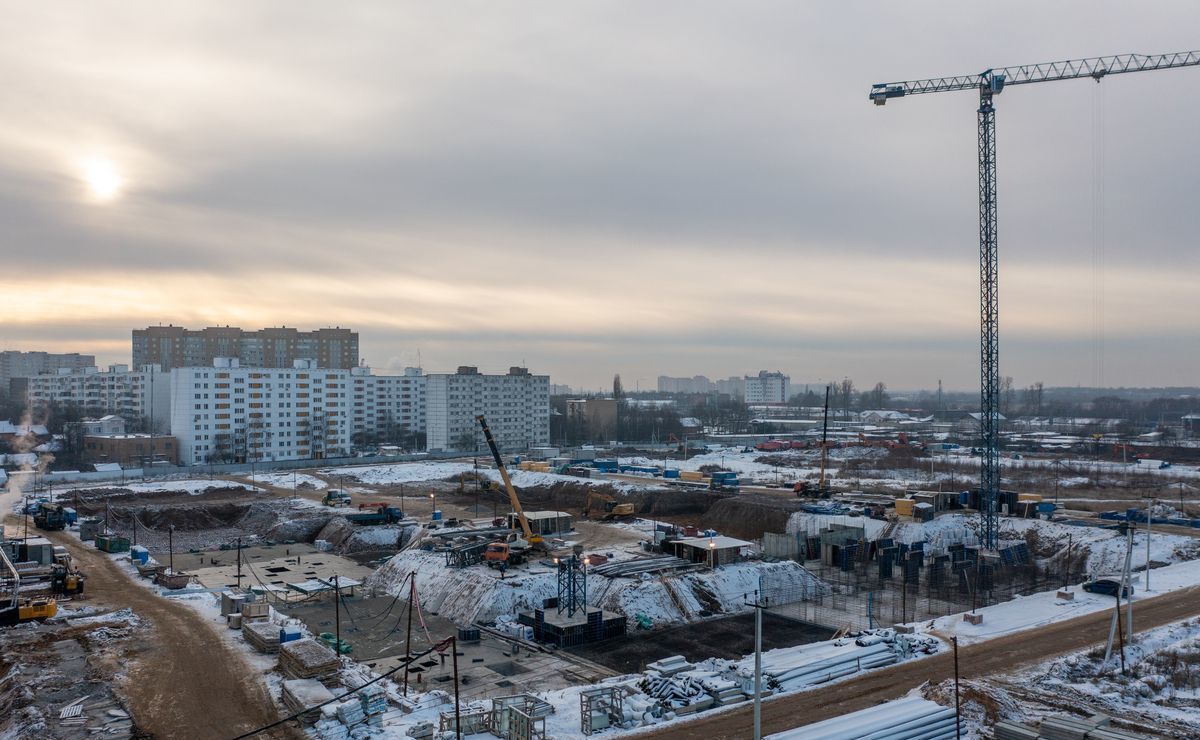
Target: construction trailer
(544, 522)
(711, 551)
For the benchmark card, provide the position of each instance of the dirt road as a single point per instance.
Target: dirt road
(998, 656)
(185, 682)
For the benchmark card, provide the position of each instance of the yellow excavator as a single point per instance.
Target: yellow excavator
(534, 540)
(612, 510)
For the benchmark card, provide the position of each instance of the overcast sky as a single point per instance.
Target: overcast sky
(593, 188)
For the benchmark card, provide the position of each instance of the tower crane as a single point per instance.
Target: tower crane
(989, 84)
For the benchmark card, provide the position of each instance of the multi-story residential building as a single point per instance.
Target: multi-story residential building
(516, 405)
(14, 364)
(594, 419)
(733, 387)
(227, 412)
(696, 384)
(137, 396)
(174, 346)
(768, 388)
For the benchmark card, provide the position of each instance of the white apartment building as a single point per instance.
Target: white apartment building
(133, 395)
(516, 405)
(231, 413)
(768, 388)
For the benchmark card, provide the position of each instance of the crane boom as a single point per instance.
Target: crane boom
(989, 83)
(995, 80)
(508, 486)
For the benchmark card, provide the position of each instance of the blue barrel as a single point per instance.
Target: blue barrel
(437, 515)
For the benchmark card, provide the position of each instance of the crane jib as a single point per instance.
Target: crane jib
(1072, 69)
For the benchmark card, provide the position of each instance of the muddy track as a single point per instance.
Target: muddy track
(185, 682)
(994, 657)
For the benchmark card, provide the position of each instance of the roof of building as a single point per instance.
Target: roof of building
(546, 514)
(720, 542)
(38, 430)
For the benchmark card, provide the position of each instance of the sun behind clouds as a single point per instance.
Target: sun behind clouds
(104, 182)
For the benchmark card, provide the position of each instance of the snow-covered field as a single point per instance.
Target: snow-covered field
(402, 473)
(284, 479)
(1161, 682)
(191, 486)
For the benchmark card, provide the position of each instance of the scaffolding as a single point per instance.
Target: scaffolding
(601, 708)
(520, 717)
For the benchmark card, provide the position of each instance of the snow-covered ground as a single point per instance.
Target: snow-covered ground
(284, 479)
(1161, 682)
(192, 486)
(390, 475)
(472, 594)
(1036, 610)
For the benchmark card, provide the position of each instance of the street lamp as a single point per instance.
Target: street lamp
(433, 500)
(712, 554)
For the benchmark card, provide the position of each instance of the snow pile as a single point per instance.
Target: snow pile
(390, 475)
(190, 486)
(283, 479)
(477, 593)
(1162, 680)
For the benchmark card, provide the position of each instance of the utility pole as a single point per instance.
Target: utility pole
(239, 563)
(1149, 516)
(957, 702)
(337, 616)
(457, 712)
(759, 604)
(412, 595)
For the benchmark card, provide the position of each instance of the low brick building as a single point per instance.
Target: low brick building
(130, 450)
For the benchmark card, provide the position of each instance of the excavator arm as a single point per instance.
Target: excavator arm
(532, 538)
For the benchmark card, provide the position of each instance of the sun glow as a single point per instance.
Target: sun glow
(103, 181)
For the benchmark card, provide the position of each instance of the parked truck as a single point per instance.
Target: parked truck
(724, 480)
(382, 514)
(51, 517)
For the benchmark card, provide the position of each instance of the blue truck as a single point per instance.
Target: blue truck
(724, 480)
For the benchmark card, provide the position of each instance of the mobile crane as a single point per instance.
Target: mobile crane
(500, 552)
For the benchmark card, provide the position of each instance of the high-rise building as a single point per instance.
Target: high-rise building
(695, 384)
(174, 346)
(143, 394)
(516, 405)
(229, 413)
(14, 364)
(768, 388)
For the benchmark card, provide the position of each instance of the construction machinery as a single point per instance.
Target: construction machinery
(532, 539)
(607, 503)
(16, 609)
(336, 497)
(51, 517)
(988, 84)
(65, 580)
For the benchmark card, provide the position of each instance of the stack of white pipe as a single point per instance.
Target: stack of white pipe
(911, 718)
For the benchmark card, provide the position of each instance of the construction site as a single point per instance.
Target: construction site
(509, 597)
(310, 549)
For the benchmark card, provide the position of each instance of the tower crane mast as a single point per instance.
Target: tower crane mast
(990, 83)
